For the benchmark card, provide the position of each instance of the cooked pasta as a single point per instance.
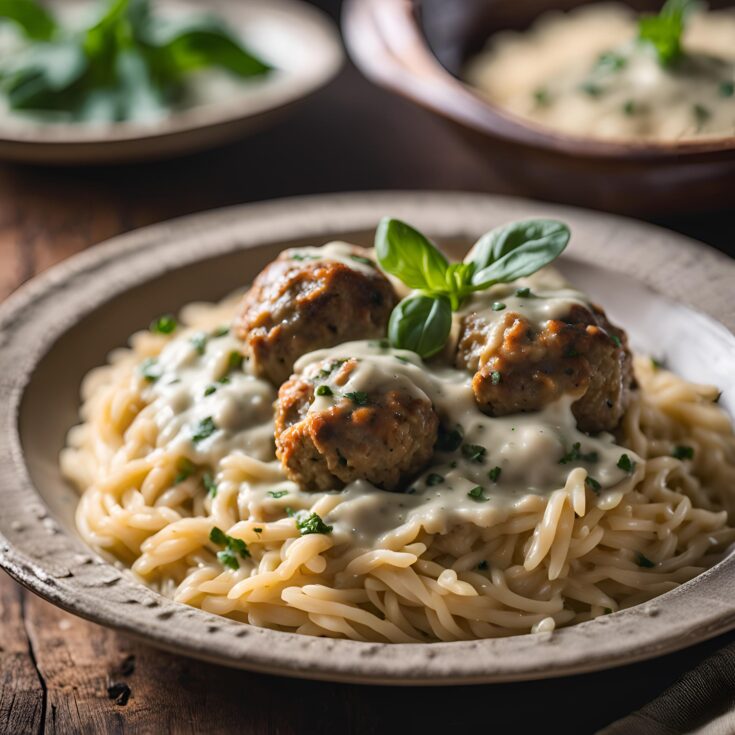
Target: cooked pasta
(212, 521)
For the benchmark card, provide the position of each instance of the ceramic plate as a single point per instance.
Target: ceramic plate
(298, 40)
(672, 295)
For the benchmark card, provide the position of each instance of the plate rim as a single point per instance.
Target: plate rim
(71, 576)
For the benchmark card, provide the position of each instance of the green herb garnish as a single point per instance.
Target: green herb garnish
(126, 64)
(358, 396)
(422, 321)
(663, 32)
(542, 97)
(449, 440)
(222, 331)
(494, 474)
(312, 524)
(474, 452)
(204, 429)
(607, 610)
(576, 455)
(593, 485)
(209, 390)
(592, 89)
(523, 293)
(277, 493)
(234, 547)
(434, 479)
(643, 561)
(209, 484)
(199, 341)
(656, 364)
(150, 369)
(164, 324)
(630, 108)
(626, 464)
(363, 260)
(185, 469)
(496, 377)
(726, 89)
(682, 451)
(701, 114)
(324, 390)
(478, 495)
(498, 306)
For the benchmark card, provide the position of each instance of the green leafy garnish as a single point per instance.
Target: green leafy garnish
(199, 340)
(127, 64)
(422, 321)
(643, 561)
(363, 260)
(524, 293)
(542, 97)
(494, 474)
(222, 331)
(209, 390)
(358, 396)
(312, 524)
(434, 479)
(277, 493)
(474, 452)
(234, 547)
(164, 324)
(324, 390)
(656, 364)
(204, 429)
(209, 484)
(682, 451)
(185, 469)
(626, 464)
(593, 485)
(498, 306)
(150, 369)
(478, 495)
(726, 89)
(663, 32)
(449, 440)
(576, 455)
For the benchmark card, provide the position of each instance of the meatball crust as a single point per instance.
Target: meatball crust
(385, 438)
(520, 367)
(297, 306)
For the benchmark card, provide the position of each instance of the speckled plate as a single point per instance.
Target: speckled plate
(672, 294)
(298, 40)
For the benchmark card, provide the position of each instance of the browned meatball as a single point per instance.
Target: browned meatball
(383, 436)
(528, 366)
(296, 306)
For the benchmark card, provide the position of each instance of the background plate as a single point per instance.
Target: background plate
(63, 323)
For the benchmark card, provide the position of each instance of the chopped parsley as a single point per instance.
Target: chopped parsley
(204, 429)
(449, 440)
(524, 293)
(495, 377)
(164, 324)
(681, 451)
(150, 369)
(185, 469)
(222, 331)
(312, 524)
(592, 89)
(625, 463)
(576, 455)
(209, 390)
(494, 474)
(474, 452)
(542, 97)
(234, 547)
(324, 390)
(209, 484)
(656, 364)
(607, 610)
(234, 361)
(498, 306)
(277, 493)
(434, 479)
(363, 260)
(701, 114)
(643, 561)
(324, 373)
(610, 61)
(593, 485)
(630, 108)
(358, 396)
(199, 340)
(483, 565)
(478, 495)
(726, 89)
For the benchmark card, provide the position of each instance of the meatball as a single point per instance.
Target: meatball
(298, 304)
(521, 366)
(384, 436)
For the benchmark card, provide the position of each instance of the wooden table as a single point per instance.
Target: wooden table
(61, 674)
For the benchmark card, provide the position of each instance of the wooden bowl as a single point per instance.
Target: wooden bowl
(418, 48)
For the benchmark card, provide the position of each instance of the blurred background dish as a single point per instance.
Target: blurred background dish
(421, 50)
(114, 82)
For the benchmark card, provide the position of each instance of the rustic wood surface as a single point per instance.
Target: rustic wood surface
(60, 674)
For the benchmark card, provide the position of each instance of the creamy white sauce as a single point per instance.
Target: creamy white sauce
(553, 75)
(341, 252)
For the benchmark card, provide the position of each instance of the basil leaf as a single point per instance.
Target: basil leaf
(407, 254)
(33, 19)
(195, 43)
(664, 31)
(421, 323)
(516, 250)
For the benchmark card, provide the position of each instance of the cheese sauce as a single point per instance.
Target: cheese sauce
(585, 73)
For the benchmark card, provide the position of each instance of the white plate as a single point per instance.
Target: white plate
(297, 39)
(64, 322)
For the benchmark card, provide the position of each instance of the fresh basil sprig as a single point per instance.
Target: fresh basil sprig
(665, 30)
(422, 321)
(127, 65)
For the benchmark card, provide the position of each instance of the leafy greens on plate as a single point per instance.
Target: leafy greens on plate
(127, 65)
(423, 320)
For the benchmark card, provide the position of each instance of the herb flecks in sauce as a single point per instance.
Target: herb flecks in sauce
(234, 547)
